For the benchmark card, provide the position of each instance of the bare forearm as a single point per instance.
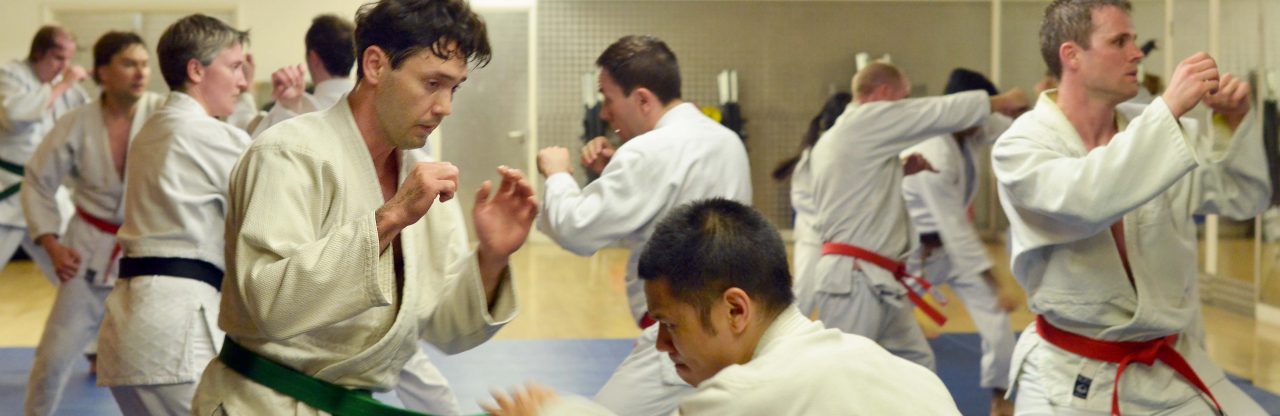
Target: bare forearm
(389, 226)
(492, 268)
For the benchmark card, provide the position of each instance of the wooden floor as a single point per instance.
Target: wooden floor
(564, 296)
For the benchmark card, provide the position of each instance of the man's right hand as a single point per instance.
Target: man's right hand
(287, 86)
(1193, 79)
(73, 74)
(66, 260)
(596, 154)
(1011, 103)
(426, 182)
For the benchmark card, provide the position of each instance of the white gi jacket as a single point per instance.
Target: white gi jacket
(176, 197)
(950, 190)
(326, 94)
(686, 157)
(801, 368)
(1061, 201)
(309, 287)
(857, 179)
(24, 121)
(808, 242)
(78, 151)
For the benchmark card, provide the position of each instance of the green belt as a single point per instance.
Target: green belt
(317, 393)
(15, 169)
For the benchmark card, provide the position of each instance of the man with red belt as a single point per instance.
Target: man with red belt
(860, 284)
(86, 149)
(1099, 202)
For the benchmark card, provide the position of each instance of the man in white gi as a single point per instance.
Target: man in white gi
(860, 281)
(716, 280)
(342, 257)
(329, 61)
(86, 149)
(671, 154)
(950, 250)
(34, 92)
(1099, 202)
(330, 58)
(159, 330)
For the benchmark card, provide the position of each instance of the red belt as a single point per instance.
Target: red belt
(106, 227)
(646, 321)
(1124, 353)
(899, 273)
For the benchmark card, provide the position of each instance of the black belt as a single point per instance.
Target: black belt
(171, 266)
(931, 240)
(15, 169)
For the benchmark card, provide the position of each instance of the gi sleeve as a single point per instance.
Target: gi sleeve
(44, 174)
(623, 199)
(1073, 198)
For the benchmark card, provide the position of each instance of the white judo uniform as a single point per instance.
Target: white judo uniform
(857, 190)
(24, 121)
(311, 289)
(1062, 201)
(801, 368)
(160, 330)
(77, 151)
(938, 203)
(808, 243)
(422, 387)
(326, 94)
(686, 157)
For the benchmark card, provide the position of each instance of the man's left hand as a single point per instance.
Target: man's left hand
(1231, 100)
(916, 163)
(503, 221)
(553, 160)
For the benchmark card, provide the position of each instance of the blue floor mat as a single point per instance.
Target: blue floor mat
(570, 366)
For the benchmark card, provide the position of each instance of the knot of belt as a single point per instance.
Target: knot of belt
(899, 271)
(1125, 353)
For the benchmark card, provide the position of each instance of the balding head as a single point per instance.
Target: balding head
(880, 81)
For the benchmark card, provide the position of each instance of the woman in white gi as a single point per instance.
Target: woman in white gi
(34, 93)
(950, 250)
(86, 149)
(716, 280)
(671, 154)
(808, 246)
(159, 332)
(343, 257)
(1099, 203)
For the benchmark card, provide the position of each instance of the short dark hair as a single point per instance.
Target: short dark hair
(45, 40)
(1070, 21)
(332, 39)
(706, 247)
(643, 61)
(402, 28)
(198, 37)
(109, 45)
(963, 79)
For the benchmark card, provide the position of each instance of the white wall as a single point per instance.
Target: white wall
(276, 27)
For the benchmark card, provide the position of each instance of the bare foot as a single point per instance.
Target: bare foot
(999, 405)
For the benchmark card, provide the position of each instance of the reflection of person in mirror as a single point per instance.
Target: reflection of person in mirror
(34, 92)
(671, 153)
(1100, 202)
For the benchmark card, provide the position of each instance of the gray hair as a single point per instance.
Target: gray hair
(198, 37)
(1070, 21)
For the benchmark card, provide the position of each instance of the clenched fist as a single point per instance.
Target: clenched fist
(596, 154)
(1193, 79)
(553, 160)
